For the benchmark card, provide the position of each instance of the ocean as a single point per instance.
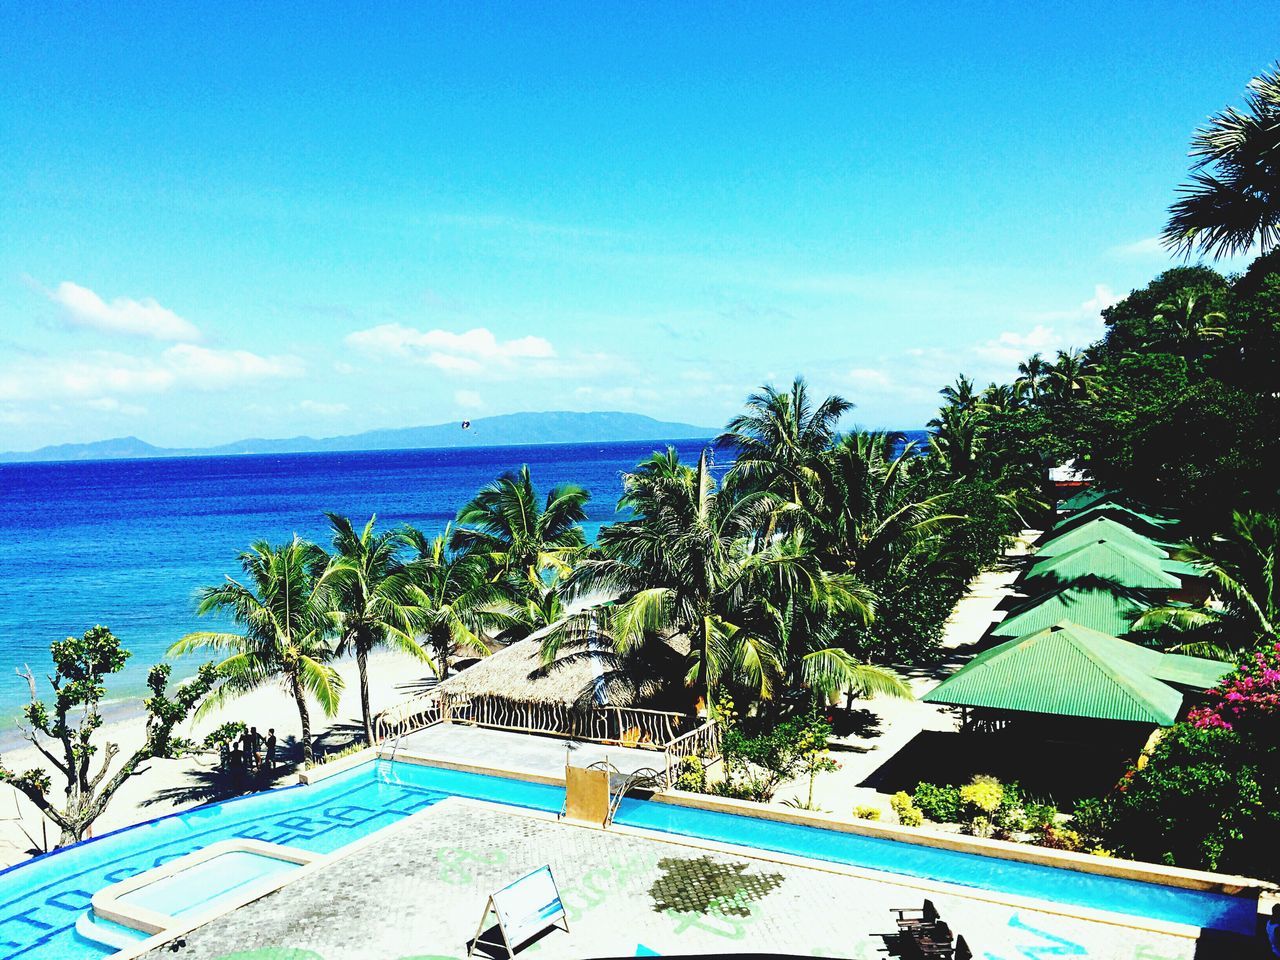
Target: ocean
(127, 543)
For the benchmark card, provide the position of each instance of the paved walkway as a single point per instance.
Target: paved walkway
(521, 752)
(418, 892)
(886, 726)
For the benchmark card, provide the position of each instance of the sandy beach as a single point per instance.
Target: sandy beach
(169, 785)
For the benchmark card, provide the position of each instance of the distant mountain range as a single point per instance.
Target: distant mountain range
(507, 430)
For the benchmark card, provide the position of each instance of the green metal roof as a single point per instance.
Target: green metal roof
(1090, 602)
(1110, 561)
(1145, 520)
(1086, 498)
(1071, 670)
(1101, 528)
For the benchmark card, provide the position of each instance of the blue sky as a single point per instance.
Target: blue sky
(221, 221)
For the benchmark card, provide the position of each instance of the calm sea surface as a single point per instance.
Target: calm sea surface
(127, 543)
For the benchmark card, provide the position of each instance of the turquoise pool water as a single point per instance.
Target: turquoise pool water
(41, 900)
(208, 884)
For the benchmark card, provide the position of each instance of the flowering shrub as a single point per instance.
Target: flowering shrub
(1247, 698)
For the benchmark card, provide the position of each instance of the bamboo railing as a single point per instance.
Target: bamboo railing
(677, 735)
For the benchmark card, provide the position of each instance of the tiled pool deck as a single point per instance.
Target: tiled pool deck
(417, 890)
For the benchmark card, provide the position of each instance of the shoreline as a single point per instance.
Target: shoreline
(168, 786)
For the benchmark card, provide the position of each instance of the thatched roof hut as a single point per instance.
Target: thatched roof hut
(582, 675)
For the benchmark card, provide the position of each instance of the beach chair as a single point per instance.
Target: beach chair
(911, 917)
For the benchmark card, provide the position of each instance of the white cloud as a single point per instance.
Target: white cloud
(476, 352)
(322, 409)
(142, 318)
(468, 399)
(479, 354)
(1149, 247)
(103, 375)
(207, 369)
(113, 405)
(869, 378)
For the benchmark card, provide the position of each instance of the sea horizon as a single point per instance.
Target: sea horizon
(126, 543)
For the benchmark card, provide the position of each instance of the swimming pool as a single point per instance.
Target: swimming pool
(41, 900)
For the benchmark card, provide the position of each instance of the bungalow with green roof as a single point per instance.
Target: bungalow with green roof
(1069, 670)
(1102, 528)
(1107, 560)
(1090, 601)
(1146, 521)
(1086, 498)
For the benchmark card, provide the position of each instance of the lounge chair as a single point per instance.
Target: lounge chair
(911, 917)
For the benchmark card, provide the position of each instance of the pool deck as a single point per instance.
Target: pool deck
(418, 889)
(520, 753)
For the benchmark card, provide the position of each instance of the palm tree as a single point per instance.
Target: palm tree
(521, 538)
(1000, 398)
(455, 598)
(371, 589)
(691, 562)
(779, 439)
(1233, 199)
(956, 441)
(287, 618)
(1244, 568)
(1189, 323)
(1032, 373)
(875, 511)
(961, 394)
(1071, 377)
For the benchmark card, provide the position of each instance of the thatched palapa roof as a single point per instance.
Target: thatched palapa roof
(581, 675)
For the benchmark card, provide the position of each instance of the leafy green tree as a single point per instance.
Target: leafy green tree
(520, 536)
(288, 619)
(1233, 198)
(1032, 374)
(692, 562)
(1191, 321)
(81, 667)
(456, 601)
(1244, 613)
(779, 439)
(371, 590)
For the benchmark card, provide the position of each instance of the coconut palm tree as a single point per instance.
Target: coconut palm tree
(520, 537)
(372, 595)
(1233, 198)
(961, 394)
(1189, 322)
(456, 601)
(691, 562)
(956, 441)
(1071, 377)
(287, 619)
(1032, 374)
(1000, 398)
(778, 440)
(1243, 566)
(875, 511)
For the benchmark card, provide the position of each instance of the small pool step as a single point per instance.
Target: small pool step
(107, 932)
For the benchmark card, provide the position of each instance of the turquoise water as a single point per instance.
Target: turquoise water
(208, 884)
(41, 900)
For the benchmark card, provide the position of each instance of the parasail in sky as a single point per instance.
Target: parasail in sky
(466, 424)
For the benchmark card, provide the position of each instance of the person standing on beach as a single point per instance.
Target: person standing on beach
(271, 749)
(246, 749)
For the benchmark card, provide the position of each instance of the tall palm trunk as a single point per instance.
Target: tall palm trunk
(305, 717)
(362, 665)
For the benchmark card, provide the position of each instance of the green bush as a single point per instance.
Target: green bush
(981, 796)
(940, 804)
(1039, 816)
(866, 812)
(1092, 818)
(691, 775)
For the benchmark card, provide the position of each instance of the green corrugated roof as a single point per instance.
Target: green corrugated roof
(1070, 670)
(1110, 561)
(1101, 528)
(1086, 498)
(1145, 520)
(1090, 602)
